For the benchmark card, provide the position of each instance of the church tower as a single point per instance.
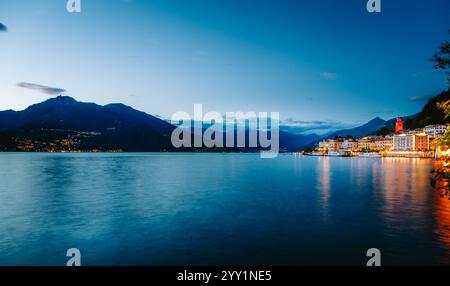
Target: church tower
(399, 125)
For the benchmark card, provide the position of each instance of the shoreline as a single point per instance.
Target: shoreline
(302, 153)
(397, 154)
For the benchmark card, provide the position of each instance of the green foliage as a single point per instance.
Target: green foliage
(445, 139)
(445, 107)
(431, 113)
(442, 58)
(384, 131)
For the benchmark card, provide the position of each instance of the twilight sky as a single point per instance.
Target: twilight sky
(322, 64)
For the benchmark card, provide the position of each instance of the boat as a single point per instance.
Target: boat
(370, 155)
(333, 154)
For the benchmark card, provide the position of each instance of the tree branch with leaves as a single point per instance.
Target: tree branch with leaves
(445, 139)
(442, 58)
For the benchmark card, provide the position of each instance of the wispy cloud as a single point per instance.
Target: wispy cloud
(384, 112)
(420, 99)
(314, 126)
(42, 88)
(3, 28)
(328, 75)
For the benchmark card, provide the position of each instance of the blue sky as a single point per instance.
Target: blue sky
(322, 64)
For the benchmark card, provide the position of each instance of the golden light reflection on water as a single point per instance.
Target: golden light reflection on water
(324, 181)
(405, 183)
(442, 213)
(402, 192)
(407, 188)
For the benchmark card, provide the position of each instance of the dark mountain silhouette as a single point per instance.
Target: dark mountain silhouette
(65, 112)
(6, 143)
(364, 130)
(374, 126)
(429, 115)
(289, 142)
(64, 124)
(91, 126)
(296, 142)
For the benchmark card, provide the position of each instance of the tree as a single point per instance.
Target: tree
(442, 58)
(442, 175)
(384, 131)
(445, 106)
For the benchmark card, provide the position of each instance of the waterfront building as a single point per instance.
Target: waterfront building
(403, 142)
(383, 143)
(411, 142)
(334, 145)
(323, 144)
(421, 142)
(349, 145)
(435, 131)
(366, 143)
(330, 144)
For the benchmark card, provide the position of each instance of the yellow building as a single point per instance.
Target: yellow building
(411, 142)
(383, 143)
(366, 143)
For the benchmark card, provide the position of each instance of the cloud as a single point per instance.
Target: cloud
(385, 112)
(328, 75)
(42, 88)
(3, 28)
(420, 99)
(314, 126)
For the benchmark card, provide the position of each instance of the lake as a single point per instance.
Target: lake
(219, 209)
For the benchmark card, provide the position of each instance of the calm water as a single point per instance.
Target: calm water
(218, 209)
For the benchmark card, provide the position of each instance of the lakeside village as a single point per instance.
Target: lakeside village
(418, 143)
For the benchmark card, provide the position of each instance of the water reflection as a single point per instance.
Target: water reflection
(323, 170)
(405, 185)
(219, 209)
(442, 208)
(442, 213)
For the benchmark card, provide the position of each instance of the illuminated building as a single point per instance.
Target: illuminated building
(366, 143)
(383, 143)
(331, 144)
(349, 145)
(435, 131)
(399, 125)
(421, 142)
(324, 144)
(334, 145)
(411, 142)
(403, 142)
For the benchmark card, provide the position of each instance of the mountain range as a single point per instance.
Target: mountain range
(85, 126)
(64, 124)
(369, 128)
